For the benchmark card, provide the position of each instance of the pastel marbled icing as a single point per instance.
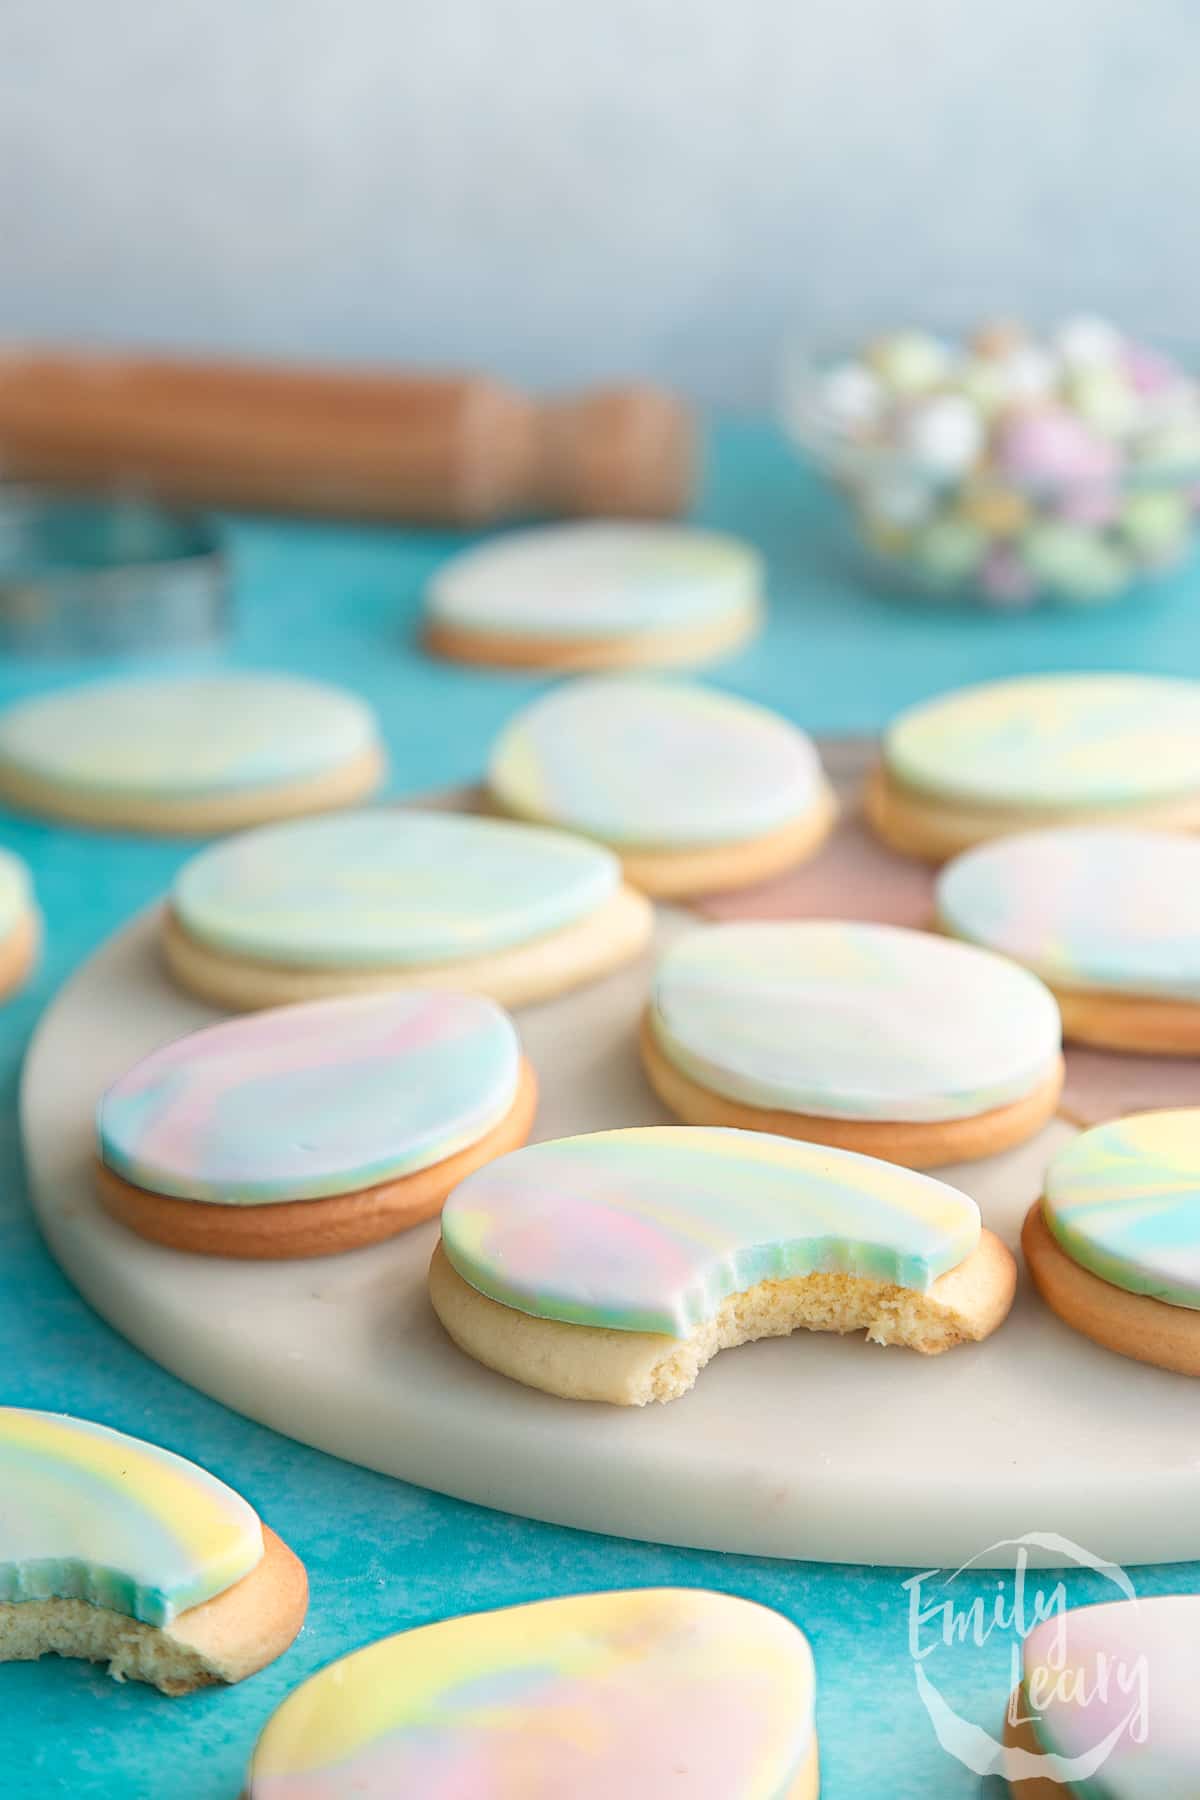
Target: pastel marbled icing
(1112, 1691)
(16, 893)
(388, 888)
(852, 1021)
(1053, 742)
(650, 1230)
(1095, 907)
(1123, 1200)
(596, 578)
(639, 1694)
(305, 1101)
(184, 737)
(659, 763)
(90, 1514)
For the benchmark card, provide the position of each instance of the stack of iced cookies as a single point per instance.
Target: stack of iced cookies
(1043, 750)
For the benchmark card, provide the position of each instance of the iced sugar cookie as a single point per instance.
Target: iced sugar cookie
(656, 1692)
(116, 1551)
(1114, 1244)
(695, 790)
(312, 1129)
(597, 594)
(870, 1037)
(1106, 1707)
(1108, 917)
(19, 927)
(365, 901)
(1042, 750)
(196, 754)
(613, 1267)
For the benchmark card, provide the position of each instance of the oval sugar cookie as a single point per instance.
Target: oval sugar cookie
(117, 1551)
(307, 1129)
(638, 1694)
(1108, 916)
(614, 1266)
(364, 901)
(694, 789)
(871, 1037)
(188, 754)
(596, 594)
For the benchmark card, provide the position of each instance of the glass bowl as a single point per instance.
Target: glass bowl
(955, 495)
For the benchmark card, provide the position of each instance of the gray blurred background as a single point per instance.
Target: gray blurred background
(564, 189)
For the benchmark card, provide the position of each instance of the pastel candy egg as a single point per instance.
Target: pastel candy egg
(883, 537)
(943, 434)
(1006, 578)
(909, 362)
(1030, 374)
(1103, 397)
(1172, 446)
(1148, 371)
(1075, 563)
(983, 381)
(998, 511)
(948, 550)
(1092, 504)
(1155, 521)
(898, 500)
(851, 396)
(1050, 447)
(1085, 341)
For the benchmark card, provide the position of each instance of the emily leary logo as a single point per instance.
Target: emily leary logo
(944, 1624)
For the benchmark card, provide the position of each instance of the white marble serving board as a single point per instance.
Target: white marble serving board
(811, 1447)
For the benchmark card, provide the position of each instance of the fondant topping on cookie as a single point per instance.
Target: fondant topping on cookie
(305, 1101)
(185, 737)
(1087, 907)
(852, 1021)
(596, 579)
(1053, 742)
(650, 1230)
(642, 1694)
(1112, 1689)
(656, 763)
(389, 888)
(1123, 1200)
(16, 893)
(90, 1514)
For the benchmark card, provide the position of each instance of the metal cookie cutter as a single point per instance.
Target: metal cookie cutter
(113, 575)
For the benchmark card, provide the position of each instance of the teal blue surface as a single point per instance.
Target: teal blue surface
(343, 604)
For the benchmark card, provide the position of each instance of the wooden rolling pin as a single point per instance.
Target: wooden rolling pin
(458, 449)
